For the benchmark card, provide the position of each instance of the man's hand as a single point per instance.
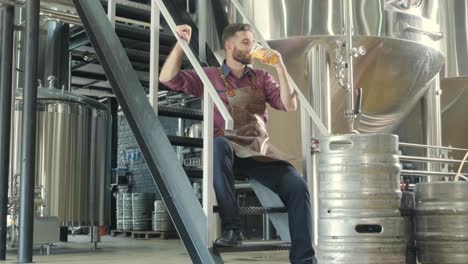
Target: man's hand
(270, 53)
(173, 63)
(287, 93)
(185, 32)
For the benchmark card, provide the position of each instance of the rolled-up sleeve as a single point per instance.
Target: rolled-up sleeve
(272, 92)
(186, 81)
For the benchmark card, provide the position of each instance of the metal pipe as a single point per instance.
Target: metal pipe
(425, 159)
(26, 216)
(432, 115)
(402, 144)
(70, 76)
(428, 173)
(241, 186)
(18, 78)
(7, 32)
(349, 114)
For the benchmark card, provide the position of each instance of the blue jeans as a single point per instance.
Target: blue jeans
(281, 177)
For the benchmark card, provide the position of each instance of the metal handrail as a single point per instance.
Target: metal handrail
(402, 144)
(210, 96)
(302, 99)
(229, 124)
(428, 173)
(425, 159)
(69, 16)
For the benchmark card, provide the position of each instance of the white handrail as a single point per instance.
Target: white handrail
(229, 124)
(210, 96)
(302, 99)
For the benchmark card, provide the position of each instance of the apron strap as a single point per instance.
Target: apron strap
(229, 90)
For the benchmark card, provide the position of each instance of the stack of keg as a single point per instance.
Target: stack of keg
(127, 212)
(161, 220)
(120, 211)
(359, 201)
(142, 207)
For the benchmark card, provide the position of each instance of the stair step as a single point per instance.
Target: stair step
(257, 246)
(255, 210)
(186, 141)
(180, 112)
(194, 173)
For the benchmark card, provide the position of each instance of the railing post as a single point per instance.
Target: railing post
(208, 194)
(111, 11)
(308, 168)
(154, 57)
(203, 30)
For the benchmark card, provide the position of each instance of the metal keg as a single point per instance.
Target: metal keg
(142, 207)
(161, 219)
(442, 222)
(407, 212)
(119, 213)
(127, 212)
(359, 200)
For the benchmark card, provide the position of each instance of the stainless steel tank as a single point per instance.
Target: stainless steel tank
(72, 157)
(454, 25)
(454, 82)
(401, 39)
(359, 200)
(442, 222)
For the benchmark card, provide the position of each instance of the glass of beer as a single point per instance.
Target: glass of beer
(258, 51)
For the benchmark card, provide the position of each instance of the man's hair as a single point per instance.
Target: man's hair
(232, 29)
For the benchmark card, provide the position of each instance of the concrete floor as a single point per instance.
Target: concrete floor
(119, 250)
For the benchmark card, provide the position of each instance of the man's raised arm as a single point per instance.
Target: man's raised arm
(174, 61)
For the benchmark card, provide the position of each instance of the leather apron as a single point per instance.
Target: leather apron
(249, 137)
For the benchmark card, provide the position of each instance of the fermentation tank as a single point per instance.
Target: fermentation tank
(453, 84)
(72, 157)
(402, 43)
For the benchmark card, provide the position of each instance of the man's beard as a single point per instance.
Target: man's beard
(242, 58)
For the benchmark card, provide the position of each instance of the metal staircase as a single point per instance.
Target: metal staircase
(117, 57)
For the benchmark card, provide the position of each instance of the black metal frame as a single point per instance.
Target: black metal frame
(28, 155)
(169, 176)
(6, 66)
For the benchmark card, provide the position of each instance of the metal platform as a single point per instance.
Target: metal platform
(256, 246)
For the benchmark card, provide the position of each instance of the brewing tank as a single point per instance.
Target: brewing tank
(72, 157)
(402, 40)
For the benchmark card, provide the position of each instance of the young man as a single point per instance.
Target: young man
(246, 150)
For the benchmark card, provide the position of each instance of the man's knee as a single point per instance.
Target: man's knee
(222, 147)
(297, 186)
